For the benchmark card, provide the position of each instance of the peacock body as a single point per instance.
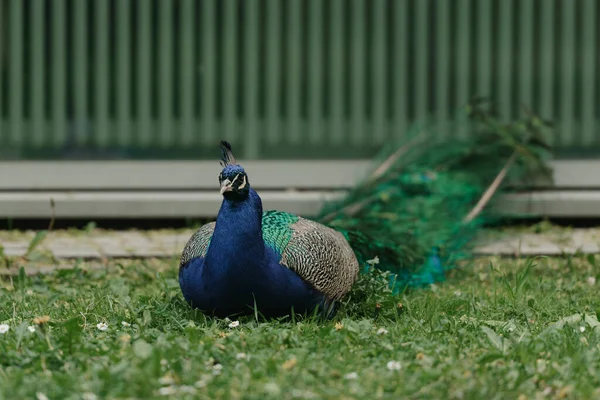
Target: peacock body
(416, 213)
(269, 260)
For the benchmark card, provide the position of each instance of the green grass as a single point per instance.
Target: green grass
(489, 332)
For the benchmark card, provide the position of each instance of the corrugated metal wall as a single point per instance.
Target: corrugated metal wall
(302, 79)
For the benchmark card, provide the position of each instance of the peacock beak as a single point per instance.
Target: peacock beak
(226, 186)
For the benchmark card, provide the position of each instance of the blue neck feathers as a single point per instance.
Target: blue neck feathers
(240, 271)
(237, 242)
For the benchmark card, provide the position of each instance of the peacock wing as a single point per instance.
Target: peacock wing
(197, 246)
(318, 254)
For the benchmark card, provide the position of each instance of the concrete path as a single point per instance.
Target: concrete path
(101, 245)
(552, 243)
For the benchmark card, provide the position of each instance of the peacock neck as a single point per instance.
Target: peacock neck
(237, 241)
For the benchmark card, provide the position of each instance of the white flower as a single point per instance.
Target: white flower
(41, 396)
(582, 329)
(166, 380)
(351, 376)
(272, 388)
(373, 261)
(241, 356)
(217, 369)
(102, 326)
(234, 324)
(187, 389)
(31, 328)
(4, 328)
(382, 331)
(167, 390)
(394, 365)
(89, 396)
(591, 280)
(303, 394)
(125, 324)
(203, 382)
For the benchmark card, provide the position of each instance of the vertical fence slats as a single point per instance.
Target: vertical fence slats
(38, 64)
(208, 72)
(165, 68)
(88, 73)
(442, 75)
(357, 66)
(336, 66)
(525, 71)
(186, 72)
(80, 75)
(505, 75)
(251, 132)
(273, 73)
(101, 65)
(379, 77)
(2, 57)
(567, 74)
(588, 75)
(400, 60)
(315, 89)
(15, 100)
(123, 74)
(143, 73)
(484, 48)
(294, 50)
(421, 61)
(58, 81)
(463, 90)
(229, 76)
(547, 64)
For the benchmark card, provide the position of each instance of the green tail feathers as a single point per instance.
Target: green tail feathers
(428, 195)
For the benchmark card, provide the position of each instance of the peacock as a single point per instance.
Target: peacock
(415, 216)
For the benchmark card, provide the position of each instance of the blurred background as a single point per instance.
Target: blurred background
(146, 88)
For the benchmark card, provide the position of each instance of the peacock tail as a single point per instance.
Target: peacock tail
(415, 215)
(427, 197)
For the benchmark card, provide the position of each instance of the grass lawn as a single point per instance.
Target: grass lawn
(495, 330)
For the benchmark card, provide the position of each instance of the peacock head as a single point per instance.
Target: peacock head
(233, 179)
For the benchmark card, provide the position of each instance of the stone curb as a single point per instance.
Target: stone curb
(62, 245)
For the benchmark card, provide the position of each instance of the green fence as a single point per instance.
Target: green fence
(166, 79)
